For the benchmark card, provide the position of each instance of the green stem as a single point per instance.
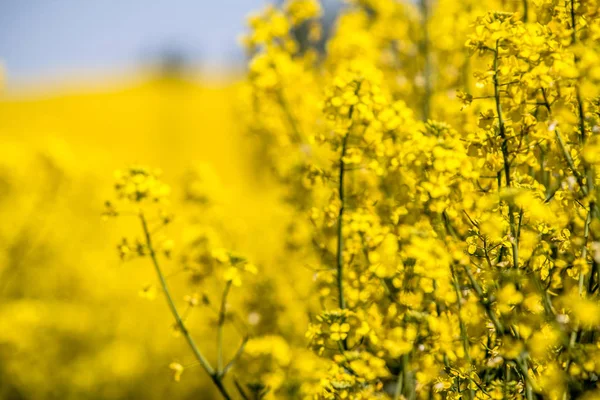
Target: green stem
(236, 356)
(485, 303)
(586, 235)
(408, 387)
(588, 171)
(511, 217)
(521, 361)
(565, 150)
(340, 238)
(340, 225)
(292, 122)
(463, 330)
(398, 389)
(180, 324)
(524, 368)
(221, 324)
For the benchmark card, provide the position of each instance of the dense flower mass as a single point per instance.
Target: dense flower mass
(441, 161)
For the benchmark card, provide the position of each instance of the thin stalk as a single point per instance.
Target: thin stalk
(463, 330)
(407, 386)
(521, 360)
(506, 380)
(236, 356)
(570, 162)
(581, 113)
(398, 389)
(241, 390)
(565, 150)
(593, 271)
(221, 324)
(548, 308)
(180, 324)
(588, 171)
(586, 235)
(292, 122)
(524, 368)
(485, 303)
(511, 217)
(340, 238)
(466, 73)
(342, 197)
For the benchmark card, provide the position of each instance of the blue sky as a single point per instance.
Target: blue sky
(51, 39)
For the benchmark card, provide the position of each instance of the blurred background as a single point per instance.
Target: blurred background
(45, 41)
(88, 87)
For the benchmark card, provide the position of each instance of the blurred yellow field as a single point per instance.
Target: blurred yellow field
(73, 325)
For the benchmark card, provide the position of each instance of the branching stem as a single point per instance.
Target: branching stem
(179, 321)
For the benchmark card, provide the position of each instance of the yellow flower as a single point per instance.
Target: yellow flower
(338, 331)
(508, 298)
(233, 275)
(177, 370)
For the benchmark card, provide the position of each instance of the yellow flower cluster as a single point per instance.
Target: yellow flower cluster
(440, 161)
(202, 258)
(455, 249)
(138, 184)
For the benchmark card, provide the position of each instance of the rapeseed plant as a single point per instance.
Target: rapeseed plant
(440, 163)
